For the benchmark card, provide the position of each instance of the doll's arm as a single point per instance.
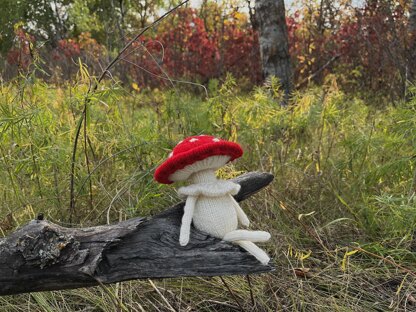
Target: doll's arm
(242, 217)
(187, 220)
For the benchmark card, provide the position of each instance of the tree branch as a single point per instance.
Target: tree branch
(91, 90)
(44, 256)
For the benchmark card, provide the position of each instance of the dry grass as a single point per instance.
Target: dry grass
(341, 210)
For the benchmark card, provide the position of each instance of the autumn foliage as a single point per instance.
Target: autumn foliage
(365, 47)
(191, 50)
(21, 54)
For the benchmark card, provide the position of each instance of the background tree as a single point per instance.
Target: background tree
(412, 18)
(104, 19)
(44, 19)
(273, 39)
(412, 47)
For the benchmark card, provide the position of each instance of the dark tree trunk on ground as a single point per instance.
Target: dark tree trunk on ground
(273, 39)
(44, 256)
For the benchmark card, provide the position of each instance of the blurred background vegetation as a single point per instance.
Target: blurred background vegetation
(342, 208)
(368, 44)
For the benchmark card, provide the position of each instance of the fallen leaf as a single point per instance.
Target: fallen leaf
(303, 272)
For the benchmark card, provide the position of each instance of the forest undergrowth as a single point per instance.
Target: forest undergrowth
(341, 210)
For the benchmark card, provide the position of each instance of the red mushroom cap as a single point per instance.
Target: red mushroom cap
(193, 149)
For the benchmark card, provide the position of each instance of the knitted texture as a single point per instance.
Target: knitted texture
(210, 189)
(252, 236)
(214, 211)
(194, 149)
(215, 215)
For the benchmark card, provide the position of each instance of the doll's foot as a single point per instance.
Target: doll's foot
(255, 251)
(245, 235)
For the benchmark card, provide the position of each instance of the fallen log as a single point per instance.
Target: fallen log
(45, 256)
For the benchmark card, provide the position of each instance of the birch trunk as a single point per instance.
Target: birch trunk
(273, 40)
(412, 46)
(412, 17)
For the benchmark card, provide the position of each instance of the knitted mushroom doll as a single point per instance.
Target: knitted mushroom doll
(210, 204)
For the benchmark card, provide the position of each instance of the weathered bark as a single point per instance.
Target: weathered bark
(44, 256)
(273, 40)
(412, 17)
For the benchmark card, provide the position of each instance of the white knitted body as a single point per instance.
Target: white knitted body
(211, 207)
(215, 215)
(214, 210)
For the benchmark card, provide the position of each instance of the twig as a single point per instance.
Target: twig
(74, 150)
(253, 303)
(166, 78)
(87, 161)
(161, 295)
(392, 262)
(87, 99)
(232, 294)
(412, 189)
(306, 80)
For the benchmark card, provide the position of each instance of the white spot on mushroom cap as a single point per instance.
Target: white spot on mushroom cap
(170, 154)
(216, 139)
(193, 140)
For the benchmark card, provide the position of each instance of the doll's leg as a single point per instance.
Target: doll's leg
(254, 250)
(245, 235)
